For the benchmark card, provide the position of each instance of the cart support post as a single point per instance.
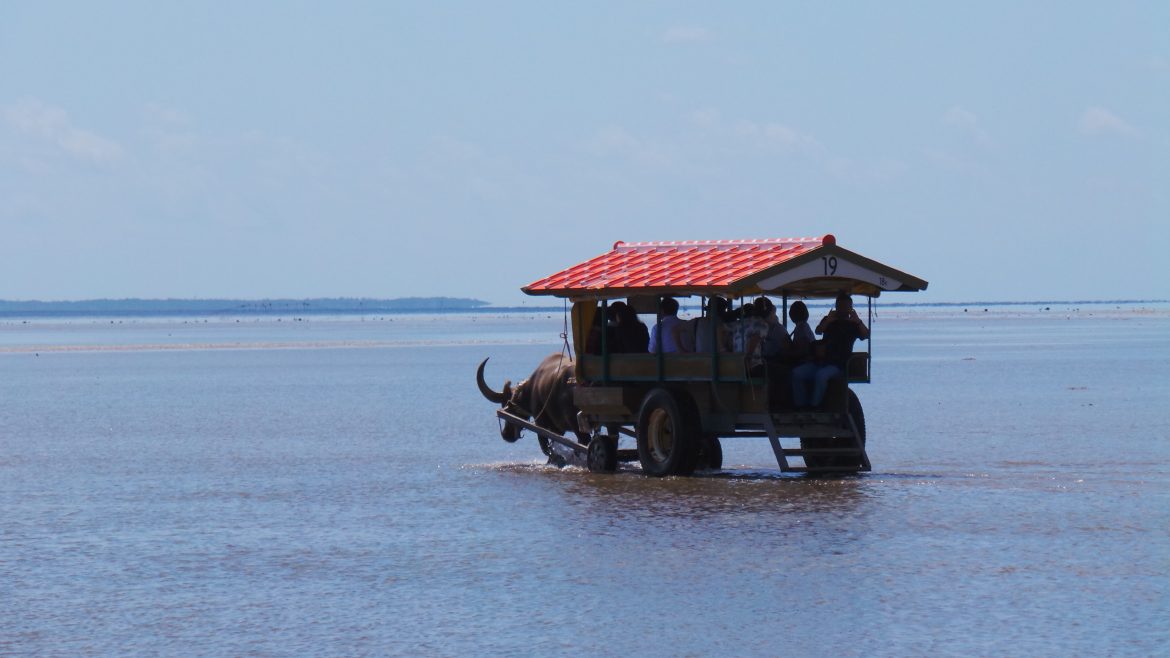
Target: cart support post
(658, 338)
(605, 341)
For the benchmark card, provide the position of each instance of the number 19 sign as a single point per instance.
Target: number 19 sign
(830, 267)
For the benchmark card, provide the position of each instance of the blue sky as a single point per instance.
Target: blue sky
(1000, 150)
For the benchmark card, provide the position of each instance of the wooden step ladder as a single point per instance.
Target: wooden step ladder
(808, 425)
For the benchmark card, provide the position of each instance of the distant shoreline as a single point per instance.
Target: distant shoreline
(400, 306)
(202, 307)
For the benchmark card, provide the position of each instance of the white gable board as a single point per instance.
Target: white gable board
(829, 266)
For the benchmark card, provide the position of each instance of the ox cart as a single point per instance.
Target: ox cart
(677, 407)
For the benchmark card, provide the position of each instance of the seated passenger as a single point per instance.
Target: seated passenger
(714, 322)
(666, 329)
(802, 339)
(631, 334)
(777, 352)
(593, 340)
(841, 327)
(776, 341)
(747, 337)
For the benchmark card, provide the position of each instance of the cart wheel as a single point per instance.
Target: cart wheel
(666, 440)
(603, 454)
(836, 462)
(711, 453)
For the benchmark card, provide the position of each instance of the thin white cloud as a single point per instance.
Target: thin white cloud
(878, 171)
(168, 129)
(51, 124)
(948, 160)
(686, 34)
(458, 150)
(958, 116)
(705, 118)
(615, 141)
(778, 134)
(775, 138)
(459, 165)
(968, 122)
(1100, 121)
(769, 135)
(163, 114)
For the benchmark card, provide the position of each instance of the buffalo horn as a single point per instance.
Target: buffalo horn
(487, 392)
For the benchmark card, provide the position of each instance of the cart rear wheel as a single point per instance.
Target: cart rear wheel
(838, 462)
(603, 455)
(666, 438)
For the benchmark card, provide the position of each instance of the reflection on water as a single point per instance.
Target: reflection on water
(711, 498)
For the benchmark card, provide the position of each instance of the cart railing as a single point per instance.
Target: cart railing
(731, 368)
(675, 367)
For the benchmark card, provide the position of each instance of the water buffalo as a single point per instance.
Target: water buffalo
(546, 397)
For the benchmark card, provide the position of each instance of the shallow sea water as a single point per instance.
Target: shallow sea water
(338, 487)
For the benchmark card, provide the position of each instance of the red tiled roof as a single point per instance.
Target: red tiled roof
(698, 266)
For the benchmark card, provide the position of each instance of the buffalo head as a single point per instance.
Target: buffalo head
(509, 400)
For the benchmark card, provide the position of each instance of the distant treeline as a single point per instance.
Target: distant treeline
(232, 306)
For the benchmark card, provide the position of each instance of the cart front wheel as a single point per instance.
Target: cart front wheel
(603, 455)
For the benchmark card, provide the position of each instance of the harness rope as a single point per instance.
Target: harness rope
(565, 348)
(560, 362)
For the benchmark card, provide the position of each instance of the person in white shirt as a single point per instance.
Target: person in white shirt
(713, 322)
(748, 335)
